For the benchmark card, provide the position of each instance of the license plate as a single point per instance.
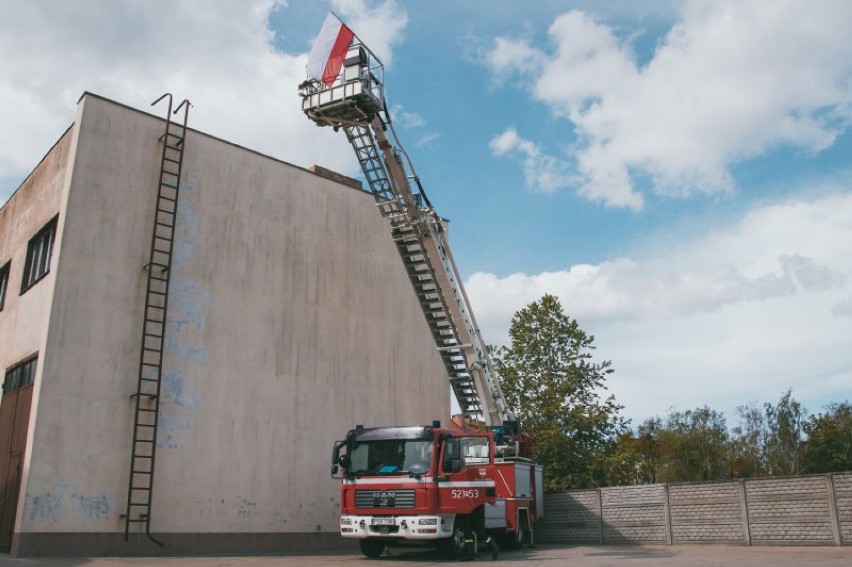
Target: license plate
(383, 521)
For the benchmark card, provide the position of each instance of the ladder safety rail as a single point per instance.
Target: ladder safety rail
(146, 398)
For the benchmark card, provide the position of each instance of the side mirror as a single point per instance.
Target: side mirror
(337, 460)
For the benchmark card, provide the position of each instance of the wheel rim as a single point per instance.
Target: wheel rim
(458, 540)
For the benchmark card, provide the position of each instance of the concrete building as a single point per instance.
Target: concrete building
(290, 319)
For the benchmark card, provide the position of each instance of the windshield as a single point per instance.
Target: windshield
(392, 456)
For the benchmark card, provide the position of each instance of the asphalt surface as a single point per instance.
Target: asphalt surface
(544, 556)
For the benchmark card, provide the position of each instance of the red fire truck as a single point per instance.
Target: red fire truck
(433, 485)
(444, 486)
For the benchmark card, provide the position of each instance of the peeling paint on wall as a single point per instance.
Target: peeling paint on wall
(65, 501)
(189, 303)
(43, 508)
(92, 507)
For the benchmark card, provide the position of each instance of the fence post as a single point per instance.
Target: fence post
(668, 510)
(744, 512)
(832, 509)
(600, 517)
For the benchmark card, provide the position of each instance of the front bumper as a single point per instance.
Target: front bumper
(434, 526)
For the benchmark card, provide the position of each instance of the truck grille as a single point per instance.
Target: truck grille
(384, 498)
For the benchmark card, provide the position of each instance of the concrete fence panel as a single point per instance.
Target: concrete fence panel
(789, 511)
(635, 514)
(707, 513)
(572, 517)
(802, 510)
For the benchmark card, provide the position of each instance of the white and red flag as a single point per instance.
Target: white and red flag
(329, 50)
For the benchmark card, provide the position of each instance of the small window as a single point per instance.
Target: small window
(20, 376)
(39, 252)
(4, 283)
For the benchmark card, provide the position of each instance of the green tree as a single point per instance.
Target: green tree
(620, 462)
(696, 446)
(649, 446)
(785, 439)
(551, 382)
(829, 444)
(748, 443)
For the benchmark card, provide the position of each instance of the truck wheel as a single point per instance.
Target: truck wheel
(454, 546)
(516, 539)
(372, 548)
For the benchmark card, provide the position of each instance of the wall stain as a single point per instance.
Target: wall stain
(43, 508)
(189, 303)
(66, 501)
(93, 507)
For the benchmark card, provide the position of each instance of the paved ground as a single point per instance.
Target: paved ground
(544, 556)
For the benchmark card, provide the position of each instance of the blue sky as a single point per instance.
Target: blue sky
(678, 173)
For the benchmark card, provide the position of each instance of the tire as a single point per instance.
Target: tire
(372, 548)
(512, 540)
(454, 546)
(516, 539)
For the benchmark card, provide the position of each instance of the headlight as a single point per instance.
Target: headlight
(428, 521)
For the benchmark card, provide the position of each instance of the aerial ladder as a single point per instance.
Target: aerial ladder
(349, 94)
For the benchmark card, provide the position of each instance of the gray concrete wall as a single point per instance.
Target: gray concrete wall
(24, 319)
(804, 510)
(291, 319)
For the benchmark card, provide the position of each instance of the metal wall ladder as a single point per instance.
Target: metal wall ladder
(409, 243)
(146, 399)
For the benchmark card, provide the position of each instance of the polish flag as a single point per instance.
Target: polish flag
(329, 50)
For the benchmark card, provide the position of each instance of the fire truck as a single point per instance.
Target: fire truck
(452, 486)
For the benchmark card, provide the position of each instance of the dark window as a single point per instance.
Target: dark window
(20, 376)
(4, 283)
(39, 251)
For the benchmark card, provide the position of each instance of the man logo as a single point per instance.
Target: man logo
(384, 499)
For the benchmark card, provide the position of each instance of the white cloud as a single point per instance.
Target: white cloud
(725, 317)
(514, 56)
(542, 172)
(730, 81)
(220, 57)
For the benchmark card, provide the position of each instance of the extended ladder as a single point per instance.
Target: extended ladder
(354, 101)
(408, 237)
(146, 399)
